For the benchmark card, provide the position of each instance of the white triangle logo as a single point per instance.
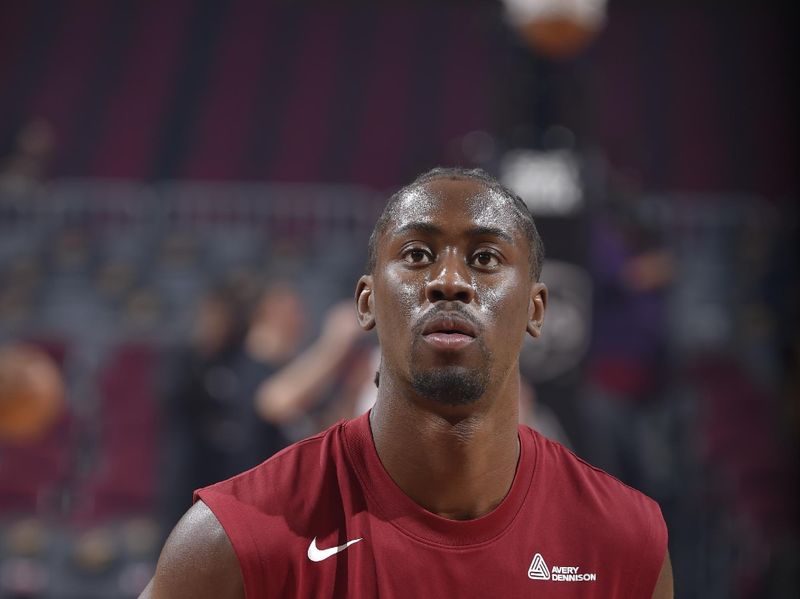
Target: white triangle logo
(538, 569)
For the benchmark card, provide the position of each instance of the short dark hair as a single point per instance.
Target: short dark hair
(524, 216)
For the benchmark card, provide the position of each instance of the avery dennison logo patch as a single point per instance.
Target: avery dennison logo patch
(538, 570)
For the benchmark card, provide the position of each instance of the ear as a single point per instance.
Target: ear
(364, 303)
(536, 308)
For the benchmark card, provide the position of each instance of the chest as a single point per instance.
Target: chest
(369, 557)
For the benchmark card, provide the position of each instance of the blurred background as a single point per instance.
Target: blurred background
(186, 191)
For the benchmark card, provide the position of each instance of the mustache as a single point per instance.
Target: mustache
(456, 309)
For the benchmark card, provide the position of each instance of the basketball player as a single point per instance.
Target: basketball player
(437, 491)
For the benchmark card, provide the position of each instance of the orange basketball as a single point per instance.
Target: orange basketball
(558, 37)
(31, 393)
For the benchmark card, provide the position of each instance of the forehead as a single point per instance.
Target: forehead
(452, 203)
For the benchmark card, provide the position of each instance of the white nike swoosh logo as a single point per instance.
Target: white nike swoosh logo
(317, 555)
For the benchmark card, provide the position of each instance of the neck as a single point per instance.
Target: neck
(457, 462)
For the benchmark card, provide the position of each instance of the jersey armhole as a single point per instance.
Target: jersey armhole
(251, 565)
(652, 555)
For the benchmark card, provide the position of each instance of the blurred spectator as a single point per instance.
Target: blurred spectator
(632, 272)
(304, 381)
(24, 169)
(214, 431)
(244, 385)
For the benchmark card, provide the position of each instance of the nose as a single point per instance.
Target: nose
(448, 280)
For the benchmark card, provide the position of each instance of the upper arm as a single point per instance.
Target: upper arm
(664, 585)
(198, 561)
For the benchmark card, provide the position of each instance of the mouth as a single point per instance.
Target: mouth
(449, 332)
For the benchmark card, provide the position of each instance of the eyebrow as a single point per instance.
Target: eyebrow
(490, 232)
(417, 227)
(428, 228)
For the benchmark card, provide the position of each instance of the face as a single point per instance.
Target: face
(451, 294)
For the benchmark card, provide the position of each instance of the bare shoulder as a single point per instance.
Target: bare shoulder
(197, 561)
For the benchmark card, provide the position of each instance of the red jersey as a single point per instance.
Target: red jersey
(323, 518)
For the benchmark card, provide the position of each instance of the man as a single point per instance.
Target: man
(437, 491)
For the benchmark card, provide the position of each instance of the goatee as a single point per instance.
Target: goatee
(450, 385)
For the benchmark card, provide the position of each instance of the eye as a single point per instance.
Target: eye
(485, 259)
(417, 256)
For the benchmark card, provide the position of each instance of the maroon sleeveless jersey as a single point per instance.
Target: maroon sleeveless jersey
(323, 518)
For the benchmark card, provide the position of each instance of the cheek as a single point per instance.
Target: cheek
(398, 302)
(505, 306)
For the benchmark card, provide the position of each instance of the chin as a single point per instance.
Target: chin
(451, 385)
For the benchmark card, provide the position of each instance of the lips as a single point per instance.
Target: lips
(449, 331)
